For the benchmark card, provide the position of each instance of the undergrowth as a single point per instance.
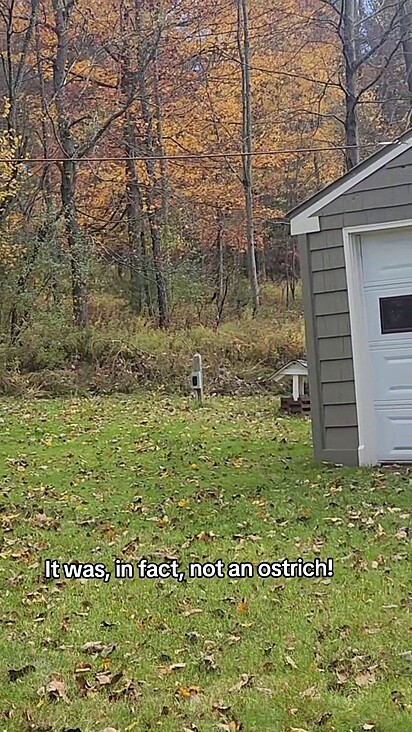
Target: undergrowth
(121, 352)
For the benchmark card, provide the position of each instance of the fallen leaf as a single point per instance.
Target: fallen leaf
(55, 689)
(98, 647)
(105, 678)
(342, 677)
(323, 719)
(232, 726)
(289, 660)
(17, 673)
(245, 680)
(83, 687)
(166, 670)
(128, 691)
(82, 668)
(220, 708)
(365, 678)
(186, 692)
(193, 611)
(310, 693)
(398, 699)
(242, 606)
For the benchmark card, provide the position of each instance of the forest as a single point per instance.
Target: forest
(149, 153)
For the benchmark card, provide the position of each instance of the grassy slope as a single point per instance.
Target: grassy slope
(231, 481)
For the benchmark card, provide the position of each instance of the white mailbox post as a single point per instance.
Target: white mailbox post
(197, 377)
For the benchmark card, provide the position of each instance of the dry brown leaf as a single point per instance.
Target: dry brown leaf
(232, 726)
(105, 678)
(83, 687)
(166, 670)
(365, 678)
(220, 708)
(289, 660)
(128, 691)
(82, 668)
(310, 693)
(186, 692)
(243, 606)
(342, 677)
(193, 611)
(245, 681)
(17, 673)
(55, 689)
(98, 647)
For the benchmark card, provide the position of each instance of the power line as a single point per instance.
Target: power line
(193, 156)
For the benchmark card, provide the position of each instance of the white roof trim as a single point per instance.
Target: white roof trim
(293, 368)
(306, 222)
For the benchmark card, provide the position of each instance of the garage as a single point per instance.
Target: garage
(355, 243)
(387, 278)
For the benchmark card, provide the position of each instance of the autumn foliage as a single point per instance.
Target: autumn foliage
(123, 143)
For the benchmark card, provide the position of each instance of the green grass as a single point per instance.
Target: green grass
(99, 479)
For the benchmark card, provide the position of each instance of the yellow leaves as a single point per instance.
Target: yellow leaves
(162, 522)
(6, 108)
(187, 692)
(243, 606)
(167, 670)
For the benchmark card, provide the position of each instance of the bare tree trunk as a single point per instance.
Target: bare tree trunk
(78, 264)
(349, 52)
(134, 215)
(263, 272)
(152, 190)
(220, 255)
(160, 144)
(146, 278)
(244, 55)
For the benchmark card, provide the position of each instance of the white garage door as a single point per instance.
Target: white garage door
(387, 276)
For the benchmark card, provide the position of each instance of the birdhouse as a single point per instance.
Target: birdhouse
(297, 373)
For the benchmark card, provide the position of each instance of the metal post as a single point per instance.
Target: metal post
(197, 377)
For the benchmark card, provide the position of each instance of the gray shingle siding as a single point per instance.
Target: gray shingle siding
(384, 196)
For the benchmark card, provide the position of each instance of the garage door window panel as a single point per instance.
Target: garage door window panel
(396, 314)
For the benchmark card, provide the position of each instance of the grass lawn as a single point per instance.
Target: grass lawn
(98, 479)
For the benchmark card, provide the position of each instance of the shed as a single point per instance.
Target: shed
(355, 243)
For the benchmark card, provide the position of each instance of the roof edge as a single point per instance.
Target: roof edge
(303, 219)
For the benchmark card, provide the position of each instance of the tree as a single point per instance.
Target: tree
(247, 148)
(366, 56)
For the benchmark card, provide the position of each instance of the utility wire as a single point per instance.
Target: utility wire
(193, 156)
